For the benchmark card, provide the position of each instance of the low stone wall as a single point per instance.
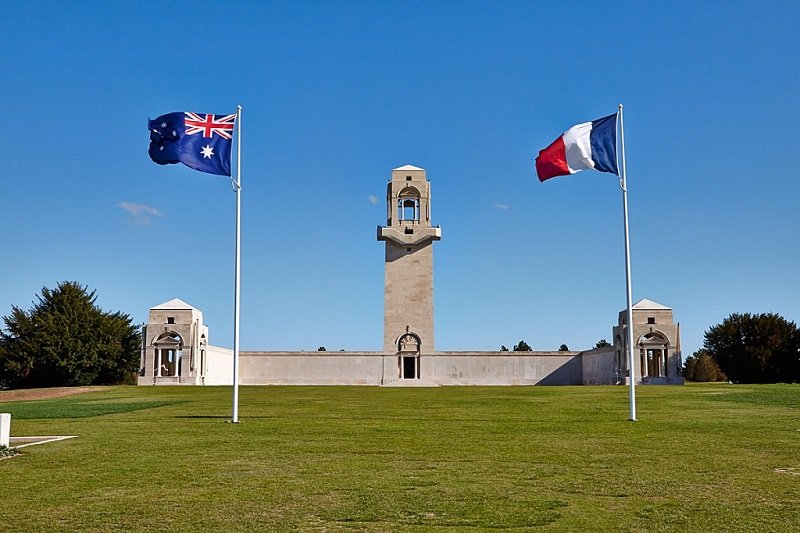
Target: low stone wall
(219, 366)
(311, 368)
(592, 367)
(376, 368)
(598, 366)
(502, 368)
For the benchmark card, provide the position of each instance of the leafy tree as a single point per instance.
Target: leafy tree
(563, 348)
(700, 366)
(602, 343)
(522, 347)
(66, 340)
(321, 349)
(759, 348)
(503, 348)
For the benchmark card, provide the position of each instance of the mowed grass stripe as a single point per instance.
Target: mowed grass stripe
(701, 457)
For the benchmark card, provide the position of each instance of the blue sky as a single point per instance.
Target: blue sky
(336, 94)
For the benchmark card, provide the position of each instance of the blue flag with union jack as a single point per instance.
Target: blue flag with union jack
(201, 142)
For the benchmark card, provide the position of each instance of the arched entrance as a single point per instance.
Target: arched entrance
(168, 349)
(408, 348)
(653, 355)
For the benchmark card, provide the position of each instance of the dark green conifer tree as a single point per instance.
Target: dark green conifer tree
(66, 340)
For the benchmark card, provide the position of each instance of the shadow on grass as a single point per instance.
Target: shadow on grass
(227, 417)
(209, 417)
(52, 409)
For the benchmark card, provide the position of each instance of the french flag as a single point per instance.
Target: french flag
(583, 146)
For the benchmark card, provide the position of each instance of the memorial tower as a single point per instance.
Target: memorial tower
(408, 286)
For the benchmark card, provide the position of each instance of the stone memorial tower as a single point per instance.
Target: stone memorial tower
(408, 288)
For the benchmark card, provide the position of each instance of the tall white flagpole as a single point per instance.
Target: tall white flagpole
(236, 278)
(624, 186)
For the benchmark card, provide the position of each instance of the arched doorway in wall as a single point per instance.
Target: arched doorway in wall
(168, 349)
(653, 354)
(408, 348)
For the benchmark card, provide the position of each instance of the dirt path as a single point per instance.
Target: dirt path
(43, 394)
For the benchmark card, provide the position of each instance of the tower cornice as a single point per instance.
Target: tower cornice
(420, 235)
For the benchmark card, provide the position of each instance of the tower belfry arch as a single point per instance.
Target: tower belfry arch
(408, 285)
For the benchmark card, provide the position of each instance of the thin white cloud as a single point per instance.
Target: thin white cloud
(140, 214)
(373, 199)
(504, 207)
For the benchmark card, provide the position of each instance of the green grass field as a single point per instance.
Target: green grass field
(702, 457)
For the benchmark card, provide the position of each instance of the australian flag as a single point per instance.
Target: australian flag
(201, 142)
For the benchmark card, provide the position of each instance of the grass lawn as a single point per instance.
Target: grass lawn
(702, 457)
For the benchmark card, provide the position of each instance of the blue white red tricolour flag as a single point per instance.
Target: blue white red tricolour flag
(583, 146)
(202, 142)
